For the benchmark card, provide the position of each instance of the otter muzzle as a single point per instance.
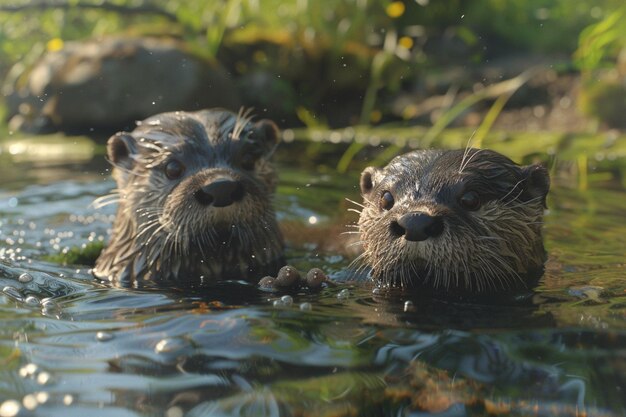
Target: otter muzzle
(417, 226)
(220, 193)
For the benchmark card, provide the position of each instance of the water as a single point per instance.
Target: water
(70, 346)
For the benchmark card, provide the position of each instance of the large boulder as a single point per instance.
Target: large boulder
(109, 83)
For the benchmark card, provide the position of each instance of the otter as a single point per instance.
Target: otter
(454, 221)
(195, 201)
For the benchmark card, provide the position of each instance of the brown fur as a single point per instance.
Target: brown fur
(496, 247)
(162, 232)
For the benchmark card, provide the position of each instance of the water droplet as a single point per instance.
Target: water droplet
(42, 397)
(30, 402)
(169, 345)
(343, 294)
(68, 399)
(29, 369)
(9, 408)
(104, 336)
(409, 306)
(13, 293)
(32, 301)
(287, 300)
(377, 291)
(44, 378)
(306, 306)
(25, 277)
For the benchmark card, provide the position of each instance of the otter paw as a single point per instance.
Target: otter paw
(288, 278)
(315, 278)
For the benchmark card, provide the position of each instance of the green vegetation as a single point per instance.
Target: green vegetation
(356, 51)
(343, 62)
(84, 255)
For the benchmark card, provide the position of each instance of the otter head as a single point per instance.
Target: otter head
(464, 220)
(195, 200)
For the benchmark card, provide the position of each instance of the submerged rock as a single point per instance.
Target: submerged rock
(109, 83)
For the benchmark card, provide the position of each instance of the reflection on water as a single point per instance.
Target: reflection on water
(70, 346)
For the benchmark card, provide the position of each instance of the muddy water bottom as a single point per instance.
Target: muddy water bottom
(71, 346)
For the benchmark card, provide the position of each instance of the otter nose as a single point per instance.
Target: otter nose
(220, 193)
(418, 226)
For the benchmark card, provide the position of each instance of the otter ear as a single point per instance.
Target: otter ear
(268, 133)
(537, 182)
(368, 179)
(120, 149)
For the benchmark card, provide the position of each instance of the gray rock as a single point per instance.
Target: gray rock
(110, 82)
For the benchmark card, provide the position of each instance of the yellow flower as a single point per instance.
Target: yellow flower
(54, 44)
(395, 9)
(405, 42)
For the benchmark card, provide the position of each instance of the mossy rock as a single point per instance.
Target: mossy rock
(605, 100)
(84, 255)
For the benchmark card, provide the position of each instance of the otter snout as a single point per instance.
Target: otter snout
(220, 193)
(417, 226)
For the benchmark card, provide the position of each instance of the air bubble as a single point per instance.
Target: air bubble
(287, 300)
(343, 294)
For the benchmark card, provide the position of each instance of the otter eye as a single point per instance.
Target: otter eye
(174, 169)
(470, 200)
(386, 201)
(248, 161)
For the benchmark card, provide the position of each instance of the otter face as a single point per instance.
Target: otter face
(453, 220)
(195, 199)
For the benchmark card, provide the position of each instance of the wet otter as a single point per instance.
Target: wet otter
(195, 201)
(464, 221)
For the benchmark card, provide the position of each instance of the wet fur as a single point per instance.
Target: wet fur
(161, 232)
(497, 247)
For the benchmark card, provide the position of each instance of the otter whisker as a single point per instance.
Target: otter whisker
(106, 200)
(355, 203)
(469, 159)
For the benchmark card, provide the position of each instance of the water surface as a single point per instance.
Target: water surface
(70, 346)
